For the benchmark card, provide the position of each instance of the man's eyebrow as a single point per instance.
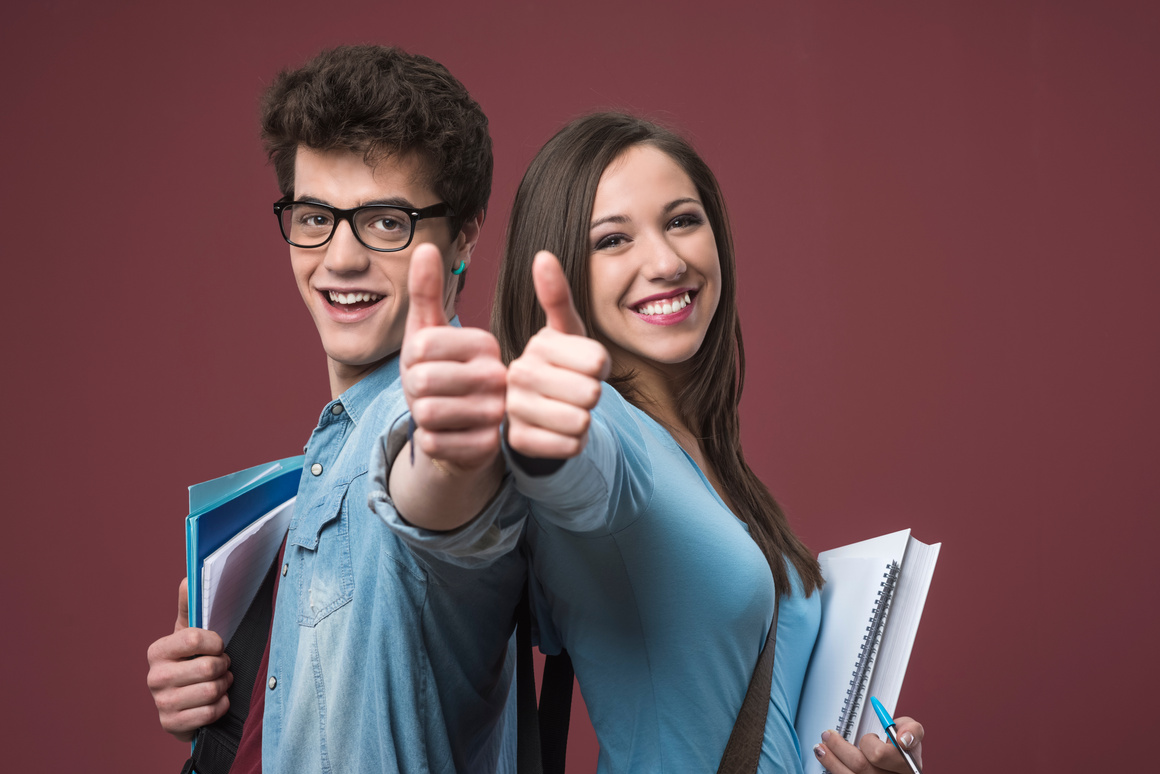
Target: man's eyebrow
(390, 201)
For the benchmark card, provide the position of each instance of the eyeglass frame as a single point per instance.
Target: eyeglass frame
(440, 210)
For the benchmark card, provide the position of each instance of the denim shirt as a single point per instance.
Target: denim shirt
(382, 658)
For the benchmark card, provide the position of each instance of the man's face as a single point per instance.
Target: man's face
(358, 296)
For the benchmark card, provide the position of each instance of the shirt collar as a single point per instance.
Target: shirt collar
(360, 395)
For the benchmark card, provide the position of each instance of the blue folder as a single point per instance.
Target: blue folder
(223, 507)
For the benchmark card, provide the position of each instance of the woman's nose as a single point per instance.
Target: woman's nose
(663, 262)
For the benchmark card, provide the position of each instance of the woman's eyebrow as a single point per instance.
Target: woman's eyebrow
(678, 202)
(609, 219)
(666, 210)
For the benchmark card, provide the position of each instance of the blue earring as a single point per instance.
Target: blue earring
(460, 268)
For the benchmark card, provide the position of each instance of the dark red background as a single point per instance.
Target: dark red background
(946, 222)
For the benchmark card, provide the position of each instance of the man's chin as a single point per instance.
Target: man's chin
(360, 362)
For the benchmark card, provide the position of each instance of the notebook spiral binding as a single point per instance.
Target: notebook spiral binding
(856, 693)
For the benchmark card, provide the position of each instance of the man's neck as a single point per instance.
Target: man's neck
(343, 376)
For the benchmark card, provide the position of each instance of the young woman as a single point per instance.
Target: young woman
(657, 552)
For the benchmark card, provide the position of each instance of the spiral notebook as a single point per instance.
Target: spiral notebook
(871, 605)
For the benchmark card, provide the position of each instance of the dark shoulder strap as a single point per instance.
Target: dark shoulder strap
(543, 734)
(216, 745)
(743, 752)
(528, 759)
(542, 743)
(555, 711)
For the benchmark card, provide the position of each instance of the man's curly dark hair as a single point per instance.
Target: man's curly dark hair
(381, 101)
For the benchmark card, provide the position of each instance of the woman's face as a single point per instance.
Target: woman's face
(654, 274)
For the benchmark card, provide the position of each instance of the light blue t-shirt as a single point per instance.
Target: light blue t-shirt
(661, 599)
(382, 658)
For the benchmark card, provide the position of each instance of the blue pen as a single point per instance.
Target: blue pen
(892, 732)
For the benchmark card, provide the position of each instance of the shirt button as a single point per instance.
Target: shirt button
(272, 682)
(336, 409)
(285, 569)
(316, 468)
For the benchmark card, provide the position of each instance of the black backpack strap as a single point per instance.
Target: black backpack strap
(216, 744)
(528, 759)
(542, 743)
(555, 711)
(743, 752)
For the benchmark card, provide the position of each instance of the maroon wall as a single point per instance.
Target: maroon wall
(946, 223)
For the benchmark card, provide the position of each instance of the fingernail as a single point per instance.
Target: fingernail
(826, 735)
(819, 751)
(907, 739)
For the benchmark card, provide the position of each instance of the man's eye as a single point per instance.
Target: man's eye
(387, 224)
(315, 221)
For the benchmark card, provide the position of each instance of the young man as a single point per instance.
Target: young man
(380, 657)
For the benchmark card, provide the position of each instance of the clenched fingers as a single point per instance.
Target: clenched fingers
(840, 757)
(186, 643)
(183, 711)
(529, 377)
(466, 449)
(882, 753)
(448, 343)
(450, 379)
(574, 353)
(532, 441)
(545, 413)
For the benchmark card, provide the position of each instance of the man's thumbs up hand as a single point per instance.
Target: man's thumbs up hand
(453, 378)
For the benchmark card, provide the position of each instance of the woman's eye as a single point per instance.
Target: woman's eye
(686, 221)
(612, 240)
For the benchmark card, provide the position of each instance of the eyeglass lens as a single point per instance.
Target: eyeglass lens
(382, 227)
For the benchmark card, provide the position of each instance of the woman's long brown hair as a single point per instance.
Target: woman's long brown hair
(552, 211)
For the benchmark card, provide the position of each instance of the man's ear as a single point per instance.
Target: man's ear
(468, 237)
(462, 249)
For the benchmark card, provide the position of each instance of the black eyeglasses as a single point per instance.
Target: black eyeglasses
(381, 228)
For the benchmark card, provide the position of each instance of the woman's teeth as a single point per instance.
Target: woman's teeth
(666, 306)
(353, 298)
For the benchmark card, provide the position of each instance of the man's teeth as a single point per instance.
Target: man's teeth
(666, 306)
(352, 298)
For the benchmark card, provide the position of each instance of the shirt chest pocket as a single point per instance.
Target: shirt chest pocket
(325, 578)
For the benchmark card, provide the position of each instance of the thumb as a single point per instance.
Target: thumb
(182, 605)
(554, 295)
(425, 287)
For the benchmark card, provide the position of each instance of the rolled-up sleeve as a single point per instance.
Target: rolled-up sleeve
(492, 533)
(606, 486)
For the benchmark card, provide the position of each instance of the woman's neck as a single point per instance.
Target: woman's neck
(654, 392)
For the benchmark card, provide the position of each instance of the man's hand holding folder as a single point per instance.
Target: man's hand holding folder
(189, 675)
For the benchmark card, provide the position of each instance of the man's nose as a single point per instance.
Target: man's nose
(344, 253)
